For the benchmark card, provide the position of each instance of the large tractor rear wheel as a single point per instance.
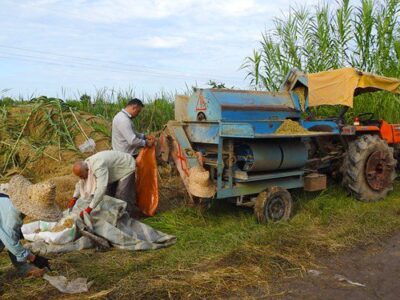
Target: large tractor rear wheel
(369, 168)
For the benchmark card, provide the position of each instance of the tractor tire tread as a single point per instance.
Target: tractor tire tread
(354, 163)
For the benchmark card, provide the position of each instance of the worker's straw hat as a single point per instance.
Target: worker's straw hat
(34, 200)
(199, 183)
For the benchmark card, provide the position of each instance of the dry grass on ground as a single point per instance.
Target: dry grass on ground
(220, 253)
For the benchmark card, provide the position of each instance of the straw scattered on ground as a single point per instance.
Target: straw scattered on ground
(221, 252)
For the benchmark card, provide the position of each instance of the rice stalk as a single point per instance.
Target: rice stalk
(12, 151)
(79, 125)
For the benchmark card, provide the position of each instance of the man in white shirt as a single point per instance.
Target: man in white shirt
(101, 170)
(124, 137)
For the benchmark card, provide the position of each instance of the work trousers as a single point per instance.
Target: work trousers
(22, 267)
(124, 189)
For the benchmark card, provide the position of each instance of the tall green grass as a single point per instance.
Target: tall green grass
(365, 36)
(107, 103)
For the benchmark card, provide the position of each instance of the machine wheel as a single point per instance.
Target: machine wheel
(369, 168)
(273, 204)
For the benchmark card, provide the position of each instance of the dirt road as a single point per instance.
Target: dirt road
(374, 271)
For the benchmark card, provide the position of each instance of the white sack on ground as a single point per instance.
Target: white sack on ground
(41, 231)
(110, 221)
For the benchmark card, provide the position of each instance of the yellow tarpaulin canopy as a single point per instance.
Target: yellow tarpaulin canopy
(338, 87)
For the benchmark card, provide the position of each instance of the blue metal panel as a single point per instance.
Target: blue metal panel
(296, 101)
(220, 164)
(217, 104)
(267, 176)
(202, 101)
(253, 188)
(203, 132)
(257, 115)
(243, 130)
(251, 98)
(266, 127)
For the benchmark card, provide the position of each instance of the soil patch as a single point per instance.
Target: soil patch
(376, 266)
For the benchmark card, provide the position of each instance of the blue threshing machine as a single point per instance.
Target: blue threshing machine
(232, 135)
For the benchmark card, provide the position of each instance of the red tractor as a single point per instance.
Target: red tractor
(369, 165)
(365, 152)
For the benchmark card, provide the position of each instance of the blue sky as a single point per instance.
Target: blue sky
(58, 48)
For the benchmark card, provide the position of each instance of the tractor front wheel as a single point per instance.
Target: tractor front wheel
(272, 205)
(369, 168)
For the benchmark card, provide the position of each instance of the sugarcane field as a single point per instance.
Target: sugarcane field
(239, 149)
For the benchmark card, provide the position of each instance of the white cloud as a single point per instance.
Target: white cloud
(162, 42)
(237, 8)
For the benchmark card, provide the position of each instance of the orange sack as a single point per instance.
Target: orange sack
(147, 181)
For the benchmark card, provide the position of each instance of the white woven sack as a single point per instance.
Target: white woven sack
(60, 238)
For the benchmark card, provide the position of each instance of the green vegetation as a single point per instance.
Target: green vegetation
(222, 252)
(365, 36)
(106, 103)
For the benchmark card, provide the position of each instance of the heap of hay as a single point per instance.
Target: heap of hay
(40, 141)
(291, 127)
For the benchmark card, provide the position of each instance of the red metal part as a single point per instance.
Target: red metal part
(361, 128)
(378, 171)
(396, 133)
(388, 132)
(182, 161)
(349, 130)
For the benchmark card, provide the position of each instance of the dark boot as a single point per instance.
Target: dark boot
(26, 269)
